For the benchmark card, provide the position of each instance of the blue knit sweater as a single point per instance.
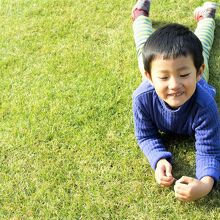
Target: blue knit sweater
(198, 116)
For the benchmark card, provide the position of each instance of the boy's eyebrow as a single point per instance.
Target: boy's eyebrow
(179, 69)
(183, 68)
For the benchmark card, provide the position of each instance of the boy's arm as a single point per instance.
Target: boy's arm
(207, 134)
(147, 135)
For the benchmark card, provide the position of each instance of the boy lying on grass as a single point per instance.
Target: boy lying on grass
(175, 97)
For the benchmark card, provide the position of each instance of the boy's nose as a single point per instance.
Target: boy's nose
(174, 84)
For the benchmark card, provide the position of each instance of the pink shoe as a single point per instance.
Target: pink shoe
(142, 7)
(206, 11)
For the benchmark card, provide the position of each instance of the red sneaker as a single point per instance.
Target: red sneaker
(142, 7)
(206, 11)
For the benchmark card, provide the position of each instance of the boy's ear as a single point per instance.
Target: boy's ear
(200, 72)
(148, 76)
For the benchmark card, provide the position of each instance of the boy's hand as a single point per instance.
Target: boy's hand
(190, 189)
(163, 173)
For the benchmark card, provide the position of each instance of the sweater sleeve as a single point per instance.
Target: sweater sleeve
(207, 134)
(147, 136)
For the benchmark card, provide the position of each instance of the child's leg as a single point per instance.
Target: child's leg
(205, 30)
(142, 28)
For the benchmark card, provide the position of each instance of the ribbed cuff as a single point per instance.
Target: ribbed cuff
(212, 172)
(153, 159)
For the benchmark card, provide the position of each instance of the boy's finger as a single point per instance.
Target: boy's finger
(166, 182)
(161, 178)
(181, 197)
(168, 170)
(185, 179)
(181, 187)
(167, 178)
(160, 172)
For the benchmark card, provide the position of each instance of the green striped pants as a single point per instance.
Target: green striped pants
(142, 28)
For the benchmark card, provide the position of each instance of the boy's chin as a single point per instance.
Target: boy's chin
(175, 105)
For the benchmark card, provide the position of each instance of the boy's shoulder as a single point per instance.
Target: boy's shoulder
(205, 93)
(143, 89)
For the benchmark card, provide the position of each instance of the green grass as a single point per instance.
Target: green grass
(67, 151)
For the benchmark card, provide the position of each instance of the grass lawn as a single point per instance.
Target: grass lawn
(67, 151)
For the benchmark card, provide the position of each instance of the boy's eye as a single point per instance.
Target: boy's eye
(163, 78)
(184, 75)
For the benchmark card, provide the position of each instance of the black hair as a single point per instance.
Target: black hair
(172, 41)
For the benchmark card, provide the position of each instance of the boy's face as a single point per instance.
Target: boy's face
(174, 80)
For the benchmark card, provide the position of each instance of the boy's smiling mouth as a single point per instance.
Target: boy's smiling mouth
(177, 94)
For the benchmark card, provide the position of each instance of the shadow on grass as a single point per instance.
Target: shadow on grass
(183, 150)
(158, 24)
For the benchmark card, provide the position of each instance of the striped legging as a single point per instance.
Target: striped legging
(142, 28)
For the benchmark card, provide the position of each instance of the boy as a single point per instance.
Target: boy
(175, 97)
